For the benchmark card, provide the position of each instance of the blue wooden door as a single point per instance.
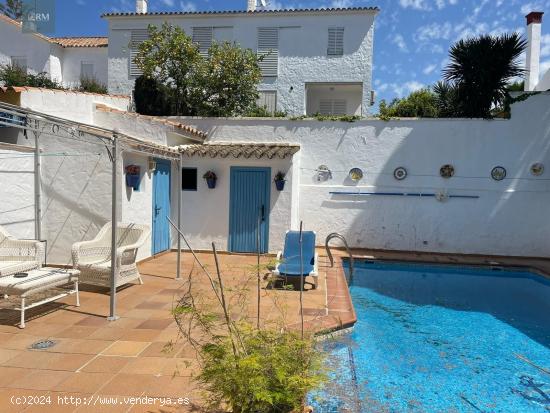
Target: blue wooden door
(249, 203)
(161, 207)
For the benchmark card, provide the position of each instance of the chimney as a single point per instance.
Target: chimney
(141, 6)
(251, 5)
(532, 66)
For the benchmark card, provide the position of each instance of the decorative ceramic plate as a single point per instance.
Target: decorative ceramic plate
(400, 173)
(356, 174)
(537, 169)
(498, 173)
(447, 171)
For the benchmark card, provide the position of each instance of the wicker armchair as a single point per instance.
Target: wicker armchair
(19, 255)
(93, 258)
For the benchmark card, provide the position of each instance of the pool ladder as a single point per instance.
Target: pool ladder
(341, 238)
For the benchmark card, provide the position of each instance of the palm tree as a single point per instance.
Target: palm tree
(481, 69)
(12, 9)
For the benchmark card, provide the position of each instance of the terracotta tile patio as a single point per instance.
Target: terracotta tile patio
(94, 358)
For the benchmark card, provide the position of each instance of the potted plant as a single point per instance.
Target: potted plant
(211, 178)
(133, 176)
(280, 181)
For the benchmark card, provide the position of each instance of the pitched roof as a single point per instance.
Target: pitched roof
(92, 41)
(247, 150)
(246, 12)
(176, 125)
(62, 41)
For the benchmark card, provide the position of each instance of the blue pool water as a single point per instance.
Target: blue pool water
(441, 339)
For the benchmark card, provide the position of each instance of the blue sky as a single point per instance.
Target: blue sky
(412, 37)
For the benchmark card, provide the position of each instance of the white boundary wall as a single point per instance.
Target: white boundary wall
(509, 218)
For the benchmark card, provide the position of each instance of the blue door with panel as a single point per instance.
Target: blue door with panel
(161, 207)
(249, 206)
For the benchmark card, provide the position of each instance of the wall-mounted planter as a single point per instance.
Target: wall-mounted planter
(133, 176)
(211, 183)
(133, 181)
(280, 184)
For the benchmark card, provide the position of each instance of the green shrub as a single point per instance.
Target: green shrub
(152, 97)
(12, 75)
(262, 112)
(419, 104)
(92, 85)
(273, 374)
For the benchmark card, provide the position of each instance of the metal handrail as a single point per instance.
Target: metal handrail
(341, 238)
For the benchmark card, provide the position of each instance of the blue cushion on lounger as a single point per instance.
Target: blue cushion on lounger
(291, 255)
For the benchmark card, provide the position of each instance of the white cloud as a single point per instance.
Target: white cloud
(341, 3)
(529, 7)
(544, 67)
(187, 6)
(399, 41)
(414, 4)
(545, 45)
(434, 31)
(429, 69)
(169, 3)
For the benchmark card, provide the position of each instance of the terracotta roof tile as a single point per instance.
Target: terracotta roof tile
(167, 122)
(81, 41)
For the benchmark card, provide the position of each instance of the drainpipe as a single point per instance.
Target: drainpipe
(532, 66)
(179, 192)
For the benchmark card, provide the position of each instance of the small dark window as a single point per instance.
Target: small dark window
(189, 179)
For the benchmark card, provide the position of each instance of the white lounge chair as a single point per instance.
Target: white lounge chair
(19, 255)
(93, 258)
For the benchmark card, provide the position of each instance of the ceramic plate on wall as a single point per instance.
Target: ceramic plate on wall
(447, 171)
(400, 173)
(498, 173)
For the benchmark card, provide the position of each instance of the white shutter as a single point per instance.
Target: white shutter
(336, 107)
(335, 41)
(87, 70)
(203, 37)
(268, 47)
(268, 99)
(138, 36)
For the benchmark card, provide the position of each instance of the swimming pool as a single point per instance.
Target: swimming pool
(433, 338)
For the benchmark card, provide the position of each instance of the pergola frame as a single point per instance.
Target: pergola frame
(115, 143)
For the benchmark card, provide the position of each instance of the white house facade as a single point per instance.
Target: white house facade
(65, 59)
(317, 60)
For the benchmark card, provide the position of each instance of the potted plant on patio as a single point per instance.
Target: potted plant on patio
(280, 181)
(132, 176)
(211, 178)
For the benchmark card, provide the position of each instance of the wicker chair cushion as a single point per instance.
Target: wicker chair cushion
(12, 267)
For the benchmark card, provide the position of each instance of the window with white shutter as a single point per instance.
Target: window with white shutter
(268, 48)
(336, 107)
(203, 37)
(268, 99)
(87, 70)
(138, 36)
(335, 41)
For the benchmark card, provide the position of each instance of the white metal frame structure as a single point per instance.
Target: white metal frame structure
(42, 125)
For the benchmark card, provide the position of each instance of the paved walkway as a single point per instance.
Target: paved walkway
(140, 354)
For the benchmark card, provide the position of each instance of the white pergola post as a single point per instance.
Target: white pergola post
(114, 229)
(179, 192)
(37, 190)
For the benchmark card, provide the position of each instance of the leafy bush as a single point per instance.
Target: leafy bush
(262, 112)
(152, 98)
(92, 85)
(419, 104)
(12, 75)
(273, 374)
(223, 83)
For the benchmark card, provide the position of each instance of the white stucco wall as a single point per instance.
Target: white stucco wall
(72, 62)
(17, 186)
(205, 212)
(509, 217)
(35, 49)
(544, 83)
(79, 107)
(303, 40)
